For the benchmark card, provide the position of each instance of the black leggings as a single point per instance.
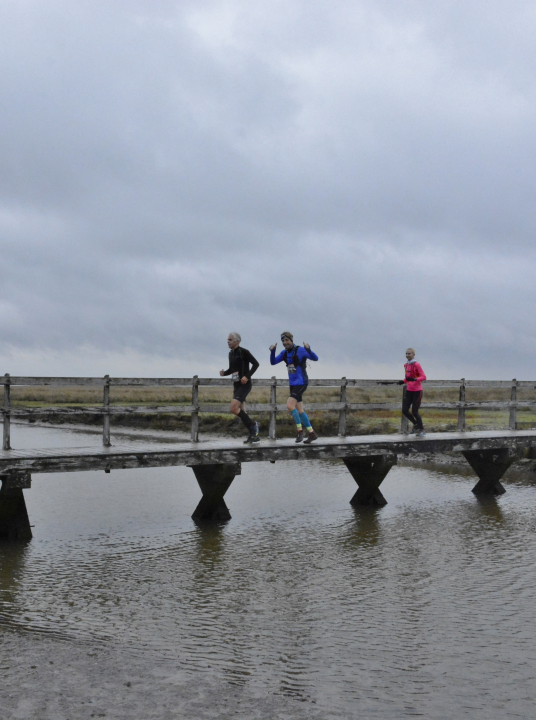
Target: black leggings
(412, 400)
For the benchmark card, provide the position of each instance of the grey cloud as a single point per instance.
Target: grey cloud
(362, 173)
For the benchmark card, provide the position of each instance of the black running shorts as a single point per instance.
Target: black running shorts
(240, 391)
(296, 392)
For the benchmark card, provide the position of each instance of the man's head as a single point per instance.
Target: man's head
(410, 354)
(287, 338)
(233, 341)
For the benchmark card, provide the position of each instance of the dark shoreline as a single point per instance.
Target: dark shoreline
(326, 424)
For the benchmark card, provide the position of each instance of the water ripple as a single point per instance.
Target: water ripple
(424, 604)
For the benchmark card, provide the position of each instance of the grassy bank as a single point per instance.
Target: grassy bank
(325, 422)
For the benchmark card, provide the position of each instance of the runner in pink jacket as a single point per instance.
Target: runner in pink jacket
(413, 397)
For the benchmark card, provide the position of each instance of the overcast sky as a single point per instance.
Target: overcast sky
(359, 172)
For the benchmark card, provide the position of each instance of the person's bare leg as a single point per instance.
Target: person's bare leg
(236, 406)
(239, 409)
(306, 424)
(293, 406)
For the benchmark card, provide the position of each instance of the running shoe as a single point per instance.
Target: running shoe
(420, 433)
(253, 436)
(300, 436)
(413, 430)
(312, 436)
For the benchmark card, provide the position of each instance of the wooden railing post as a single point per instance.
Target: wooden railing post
(342, 411)
(195, 412)
(6, 413)
(273, 410)
(461, 410)
(106, 415)
(404, 424)
(513, 410)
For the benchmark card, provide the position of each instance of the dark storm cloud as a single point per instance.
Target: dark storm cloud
(359, 172)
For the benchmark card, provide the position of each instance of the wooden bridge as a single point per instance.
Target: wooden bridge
(216, 463)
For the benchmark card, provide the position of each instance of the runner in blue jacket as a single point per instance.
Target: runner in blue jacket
(295, 358)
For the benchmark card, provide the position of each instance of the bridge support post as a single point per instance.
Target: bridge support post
(369, 471)
(214, 481)
(490, 466)
(14, 521)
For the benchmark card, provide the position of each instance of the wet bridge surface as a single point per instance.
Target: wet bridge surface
(216, 463)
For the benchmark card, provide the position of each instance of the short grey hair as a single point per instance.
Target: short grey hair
(235, 336)
(411, 350)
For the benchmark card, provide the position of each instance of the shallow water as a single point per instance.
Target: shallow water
(299, 607)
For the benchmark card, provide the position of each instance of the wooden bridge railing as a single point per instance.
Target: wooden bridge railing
(342, 406)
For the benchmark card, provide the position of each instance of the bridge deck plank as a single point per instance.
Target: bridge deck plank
(141, 454)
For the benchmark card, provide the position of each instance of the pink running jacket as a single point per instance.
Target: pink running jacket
(414, 375)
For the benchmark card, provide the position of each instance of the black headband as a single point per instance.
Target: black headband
(286, 336)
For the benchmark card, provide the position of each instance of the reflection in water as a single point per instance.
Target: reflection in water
(360, 535)
(12, 563)
(210, 542)
(489, 507)
(366, 528)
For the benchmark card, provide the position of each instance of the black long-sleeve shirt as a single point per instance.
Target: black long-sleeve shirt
(239, 361)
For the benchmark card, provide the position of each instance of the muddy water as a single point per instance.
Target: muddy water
(300, 607)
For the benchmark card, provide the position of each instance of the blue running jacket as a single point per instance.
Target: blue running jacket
(300, 376)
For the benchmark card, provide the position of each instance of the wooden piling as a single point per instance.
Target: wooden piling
(273, 409)
(404, 423)
(369, 472)
(214, 481)
(106, 413)
(490, 466)
(342, 411)
(14, 521)
(461, 409)
(7, 413)
(513, 410)
(195, 411)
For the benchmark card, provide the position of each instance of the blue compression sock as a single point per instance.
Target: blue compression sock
(305, 421)
(296, 415)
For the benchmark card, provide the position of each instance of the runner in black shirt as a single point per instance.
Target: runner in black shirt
(240, 360)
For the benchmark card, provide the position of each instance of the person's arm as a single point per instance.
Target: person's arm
(228, 371)
(273, 359)
(254, 365)
(308, 352)
(421, 377)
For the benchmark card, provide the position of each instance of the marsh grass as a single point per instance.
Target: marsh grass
(325, 422)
